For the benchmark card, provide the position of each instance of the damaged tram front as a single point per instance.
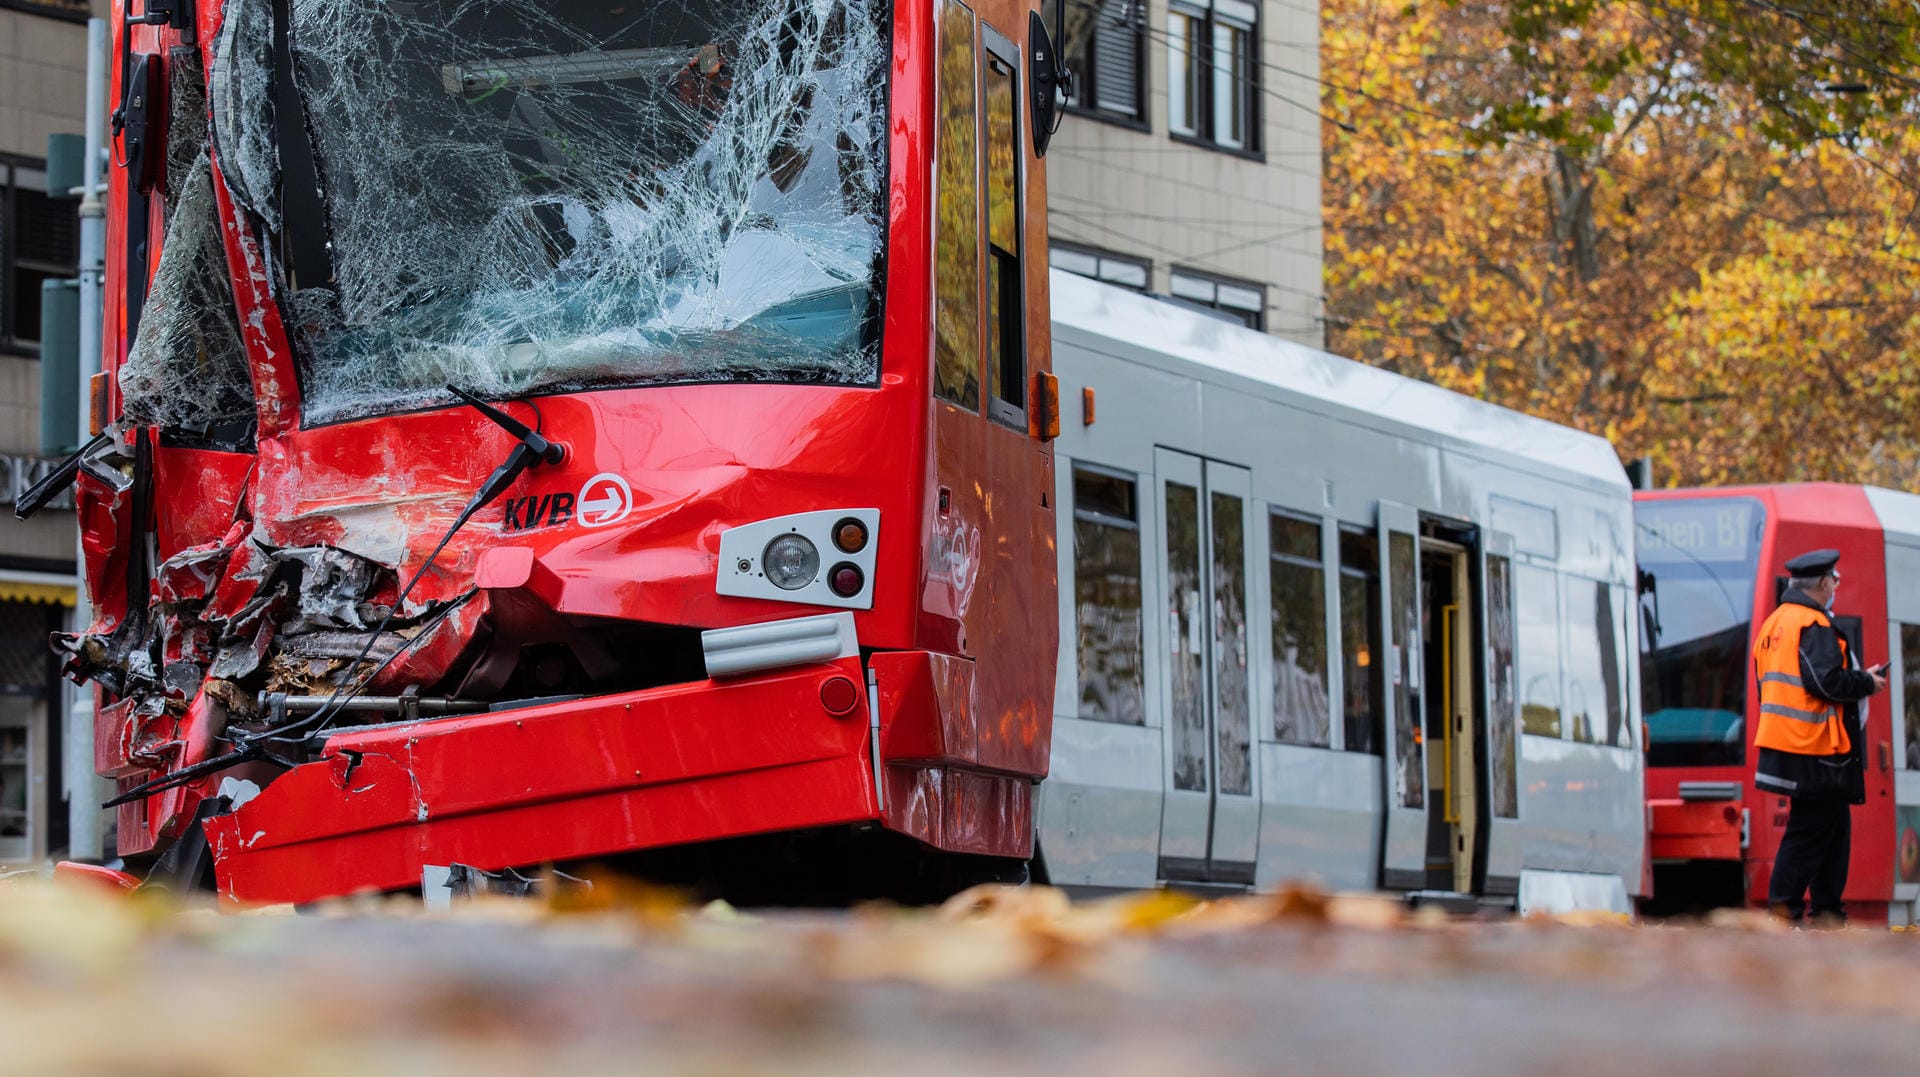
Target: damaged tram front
(542, 432)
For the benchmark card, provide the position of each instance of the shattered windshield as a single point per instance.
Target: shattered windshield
(524, 196)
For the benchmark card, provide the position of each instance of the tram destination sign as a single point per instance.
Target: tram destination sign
(1697, 529)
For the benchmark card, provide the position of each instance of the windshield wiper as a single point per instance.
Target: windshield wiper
(565, 69)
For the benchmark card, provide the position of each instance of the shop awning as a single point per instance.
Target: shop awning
(37, 587)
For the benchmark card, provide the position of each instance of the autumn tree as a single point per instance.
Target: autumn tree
(1604, 218)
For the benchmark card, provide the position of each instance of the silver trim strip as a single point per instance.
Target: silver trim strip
(873, 726)
(1692, 791)
(1781, 678)
(798, 641)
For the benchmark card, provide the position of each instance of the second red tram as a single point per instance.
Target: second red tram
(546, 431)
(1710, 572)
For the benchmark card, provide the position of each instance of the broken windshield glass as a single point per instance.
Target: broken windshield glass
(533, 197)
(187, 370)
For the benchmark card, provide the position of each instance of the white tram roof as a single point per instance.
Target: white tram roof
(1899, 514)
(1119, 322)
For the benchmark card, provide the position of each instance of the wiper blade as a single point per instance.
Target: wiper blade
(61, 477)
(548, 452)
(565, 69)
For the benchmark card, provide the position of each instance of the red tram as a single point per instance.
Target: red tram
(1710, 572)
(535, 432)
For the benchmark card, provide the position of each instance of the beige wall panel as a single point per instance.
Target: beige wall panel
(1147, 195)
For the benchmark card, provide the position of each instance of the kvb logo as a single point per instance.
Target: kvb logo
(527, 513)
(605, 499)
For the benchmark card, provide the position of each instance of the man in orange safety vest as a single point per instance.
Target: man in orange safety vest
(1809, 737)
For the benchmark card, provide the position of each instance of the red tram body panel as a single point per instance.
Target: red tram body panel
(559, 632)
(1710, 563)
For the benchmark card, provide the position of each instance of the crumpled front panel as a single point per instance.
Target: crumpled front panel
(530, 196)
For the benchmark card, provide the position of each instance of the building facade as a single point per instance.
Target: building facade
(42, 92)
(1188, 163)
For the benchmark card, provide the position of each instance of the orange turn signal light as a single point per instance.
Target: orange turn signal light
(850, 535)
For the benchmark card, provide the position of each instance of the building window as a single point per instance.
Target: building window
(1212, 65)
(1297, 588)
(1363, 696)
(1240, 301)
(1114, 269)
(1106, 589)
(1104, 44)
(39, 240)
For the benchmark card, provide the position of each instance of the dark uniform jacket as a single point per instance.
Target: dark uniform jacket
(1836, 679)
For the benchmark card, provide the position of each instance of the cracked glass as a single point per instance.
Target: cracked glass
(187, 370)
(525, 197)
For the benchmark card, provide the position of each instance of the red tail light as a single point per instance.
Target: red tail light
(846, 580)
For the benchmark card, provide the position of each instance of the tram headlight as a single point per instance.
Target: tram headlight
(790, 562)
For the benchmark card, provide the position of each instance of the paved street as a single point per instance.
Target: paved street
(1145, 985)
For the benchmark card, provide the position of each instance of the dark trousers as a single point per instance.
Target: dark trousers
(1813, 854)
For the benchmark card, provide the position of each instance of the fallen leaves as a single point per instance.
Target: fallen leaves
(624, 977)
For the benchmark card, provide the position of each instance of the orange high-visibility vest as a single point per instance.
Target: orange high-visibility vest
(1793, 719)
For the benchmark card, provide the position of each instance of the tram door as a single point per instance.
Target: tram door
(1210, 821)
(1505, 840)
(1452, 729)
(1403, 850)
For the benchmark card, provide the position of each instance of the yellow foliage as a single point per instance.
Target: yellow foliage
(1740, 311)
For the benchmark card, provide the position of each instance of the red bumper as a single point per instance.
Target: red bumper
(1695, 830)
(587, 778)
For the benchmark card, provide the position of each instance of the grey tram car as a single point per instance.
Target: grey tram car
(1320, 622)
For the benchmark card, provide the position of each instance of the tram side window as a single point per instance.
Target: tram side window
(1363, 696)
(1500, 673)
(957, 215)
(1537, 603)
(1006, 292)
(1106, 583)
(1614, 659)
(1593, 695)
(1297, 582)
(1910, 660)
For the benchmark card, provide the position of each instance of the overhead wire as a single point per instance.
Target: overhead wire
(1176, 255)
(1504, 139)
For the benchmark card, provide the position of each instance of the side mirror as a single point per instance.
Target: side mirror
(1048, 76)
